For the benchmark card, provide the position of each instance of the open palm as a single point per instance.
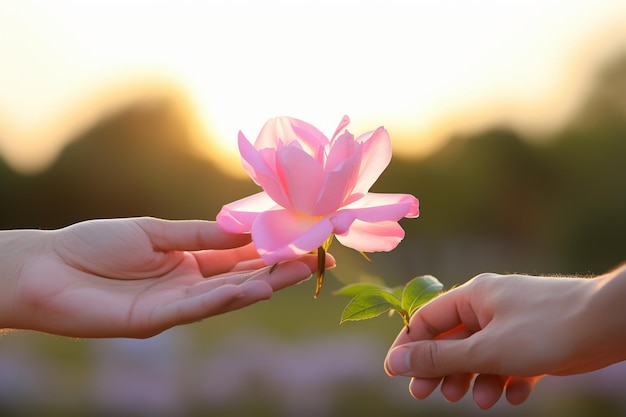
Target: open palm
(139, 276)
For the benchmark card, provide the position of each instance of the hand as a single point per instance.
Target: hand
(137, 277)
(507, 332)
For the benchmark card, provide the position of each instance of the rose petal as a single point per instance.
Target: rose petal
(372, 237)
(342, 168)
(380, 206)
(251, 159)
(337, 188)
(288, 129)
(374, 207)
(280, 235)
(376, 157)
(309, 136)
(238, 216)
(345, 121)
(342, 150)
(301, 178)
(260, 165)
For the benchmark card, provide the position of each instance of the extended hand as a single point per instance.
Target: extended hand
(505, 332)
(136, 277)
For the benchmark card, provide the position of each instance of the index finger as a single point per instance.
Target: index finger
(189, 235)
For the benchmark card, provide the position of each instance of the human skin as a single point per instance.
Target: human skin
(133, 277)
(504, 332)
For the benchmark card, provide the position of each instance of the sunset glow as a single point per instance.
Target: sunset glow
(424, 69)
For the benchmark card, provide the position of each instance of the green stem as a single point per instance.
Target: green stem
(321, 268)
(405, 319)
(321, 264)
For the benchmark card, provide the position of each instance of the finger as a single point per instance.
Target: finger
(218, 301)
(254, 262)
(455, 386)
(488, 389)
(284, 274)
(253, 292)
(189, 235)
(214, 262)
(193, 309)
(518, 389)
(278, 277)
(311, 261)
(434, 358)
(441, 315)
(230, 278)
(426, 359)
(287, 273)
(420, 388)
(249, 265)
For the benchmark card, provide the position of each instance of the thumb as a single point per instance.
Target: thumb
(431, 359)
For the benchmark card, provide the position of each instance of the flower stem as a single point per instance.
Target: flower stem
(321, 264)
(321, 268)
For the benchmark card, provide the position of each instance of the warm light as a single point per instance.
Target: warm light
(424, 69)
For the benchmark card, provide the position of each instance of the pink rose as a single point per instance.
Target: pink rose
(314, 188)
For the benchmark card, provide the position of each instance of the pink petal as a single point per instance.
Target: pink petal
(288, 129)
(374, 207)
(342, 149)
(301, 178)
(338, 185)
(385, 206)
(273, 131)
(376, 157)
(372, 237)
(342, 168)
(238, 216)
(251, 159)
(260, 165)
(280, 235)
(345, 121)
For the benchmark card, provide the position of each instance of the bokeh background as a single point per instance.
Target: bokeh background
(508, 120)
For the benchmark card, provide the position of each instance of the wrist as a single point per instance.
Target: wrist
(605, 318)
(611, 296)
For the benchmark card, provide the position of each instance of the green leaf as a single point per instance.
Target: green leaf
(397, 291)
(419, 291)
(369, 304)
(352, 290)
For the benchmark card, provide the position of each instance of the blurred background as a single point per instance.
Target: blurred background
(508, 120)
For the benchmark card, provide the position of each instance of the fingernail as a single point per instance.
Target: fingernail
(398, 361)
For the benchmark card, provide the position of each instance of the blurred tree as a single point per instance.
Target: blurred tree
(589, 156)
(139, 161)
(560, 203)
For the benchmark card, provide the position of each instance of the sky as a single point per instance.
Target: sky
(425, 69)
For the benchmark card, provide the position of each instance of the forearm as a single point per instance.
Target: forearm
(16, 248)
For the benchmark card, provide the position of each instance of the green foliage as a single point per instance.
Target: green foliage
(369, 304)
(371, 300)
(355, 289)
(419, 291)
